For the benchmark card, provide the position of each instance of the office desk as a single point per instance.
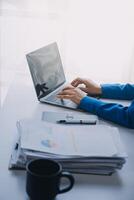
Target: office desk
(21, 103)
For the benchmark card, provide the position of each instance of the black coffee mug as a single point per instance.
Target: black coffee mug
(43, 179)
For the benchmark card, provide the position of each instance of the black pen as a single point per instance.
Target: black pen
(88, 122)
(16, 146)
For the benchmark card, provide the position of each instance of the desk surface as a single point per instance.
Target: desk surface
(21, 103)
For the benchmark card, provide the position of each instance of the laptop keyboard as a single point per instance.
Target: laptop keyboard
(54, 99)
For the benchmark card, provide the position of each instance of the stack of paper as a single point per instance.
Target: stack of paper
(91, 149)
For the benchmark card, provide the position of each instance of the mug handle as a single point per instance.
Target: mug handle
(71, 179)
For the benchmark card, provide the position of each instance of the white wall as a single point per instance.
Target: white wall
(95, 37)
(101, 33)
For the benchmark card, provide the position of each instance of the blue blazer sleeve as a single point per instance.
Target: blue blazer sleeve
(110, 111)
(118, 91)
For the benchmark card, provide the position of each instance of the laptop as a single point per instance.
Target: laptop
(48, 75)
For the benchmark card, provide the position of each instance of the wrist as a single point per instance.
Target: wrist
(98, 90)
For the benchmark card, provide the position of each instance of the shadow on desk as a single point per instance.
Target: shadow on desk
(114, 180)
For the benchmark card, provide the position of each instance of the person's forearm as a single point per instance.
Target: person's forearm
(117, 91)
(109, 111)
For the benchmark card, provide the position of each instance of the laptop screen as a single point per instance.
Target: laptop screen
(46, 69)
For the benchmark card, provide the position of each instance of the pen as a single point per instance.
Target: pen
(76, 122)
(16, 146)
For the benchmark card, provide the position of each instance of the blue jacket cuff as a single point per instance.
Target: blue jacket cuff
(90, 104)
(105, 90)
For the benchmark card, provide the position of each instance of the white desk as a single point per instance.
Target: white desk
(20, 103)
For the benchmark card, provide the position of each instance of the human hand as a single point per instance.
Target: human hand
(72, 93)
(89, 86)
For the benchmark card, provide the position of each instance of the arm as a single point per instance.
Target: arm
(117, 91)
(109, 91)
(109, 111)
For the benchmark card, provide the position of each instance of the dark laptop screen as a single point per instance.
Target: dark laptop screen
(46, 69)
